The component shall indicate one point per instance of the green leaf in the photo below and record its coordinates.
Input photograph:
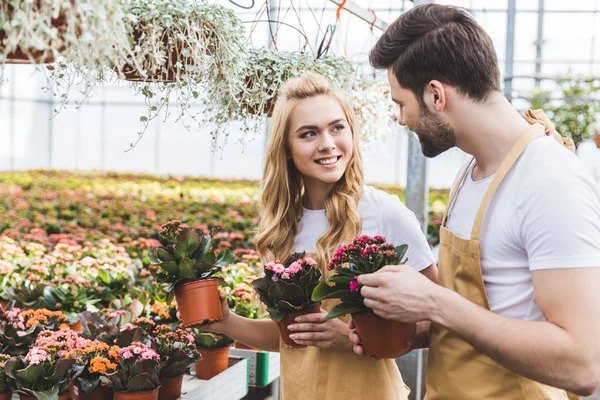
(169, 266)
(226, 257)
(346, 272)
(30, 374)
(104, 275)
(344, 309)
(164, 255)
(61, 369)
(401, 250)
(87, 385)
(51, 394)
(187, 242)
(143, 118)
(210, 257)
(186, 268)
(153, 257)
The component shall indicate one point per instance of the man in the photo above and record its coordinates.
(517, 311)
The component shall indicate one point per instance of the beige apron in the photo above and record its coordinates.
(315, 374)
(456, 370)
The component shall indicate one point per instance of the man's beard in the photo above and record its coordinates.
(435, 134)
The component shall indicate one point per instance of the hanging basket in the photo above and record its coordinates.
(25, 56)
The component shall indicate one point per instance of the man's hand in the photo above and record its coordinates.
(399, 293)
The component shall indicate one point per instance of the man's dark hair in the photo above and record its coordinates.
(438, 42)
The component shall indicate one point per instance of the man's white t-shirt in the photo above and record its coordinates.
(382, 214)
(544, 215)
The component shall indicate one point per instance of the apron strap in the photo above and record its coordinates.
(454, 192)
(540, 117)
(534, 132)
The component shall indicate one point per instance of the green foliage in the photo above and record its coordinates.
(576, 114)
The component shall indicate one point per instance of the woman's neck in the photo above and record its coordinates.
(315, 194)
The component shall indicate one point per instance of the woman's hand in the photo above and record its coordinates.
(315, 330)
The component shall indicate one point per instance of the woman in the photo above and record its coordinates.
(314, 199)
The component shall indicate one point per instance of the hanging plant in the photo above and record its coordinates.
(264, 73)
(32, 32)
(180, 47)
(375, 111)
(82, 38)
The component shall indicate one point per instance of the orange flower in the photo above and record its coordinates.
(101, 365)
(161, 310)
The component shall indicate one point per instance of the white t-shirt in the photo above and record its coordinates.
(544, 215)
(382, 214)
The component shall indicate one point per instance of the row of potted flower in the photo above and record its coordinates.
(46, 358)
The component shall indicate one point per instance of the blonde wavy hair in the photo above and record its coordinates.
(283, 187)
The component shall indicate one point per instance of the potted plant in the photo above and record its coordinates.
(138, 330)
(183, 45)
(380, 337)
(5, 391)
(136, 374)
(71, 295)
(286, 290)
(15, 338)
(187, 265)
(46, 371)
(214, 352)
(96, 327)
(96, 359)
(26, 288)
(177, 351)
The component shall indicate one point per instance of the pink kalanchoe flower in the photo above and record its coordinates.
(354, 286)
(310, 261)
(278, 268)
(127, 327)
(285, 275)
(127, 355)
(36, 356)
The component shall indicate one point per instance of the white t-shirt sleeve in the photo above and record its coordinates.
(559, 219)
(400, 226)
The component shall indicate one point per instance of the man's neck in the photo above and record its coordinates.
(487, 131)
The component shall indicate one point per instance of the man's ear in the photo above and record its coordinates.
(435, 95)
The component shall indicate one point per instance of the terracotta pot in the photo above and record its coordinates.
(77, 327)
(35, 57)
(289, 318)
(242, 346)
(214, 361)
(383, 338)
(4, 304)
(72, 392)
(100, 393)
(148, 395)
(597, 140)
(63, 396)
(198, 302)
(6, 395)
(170, 388)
